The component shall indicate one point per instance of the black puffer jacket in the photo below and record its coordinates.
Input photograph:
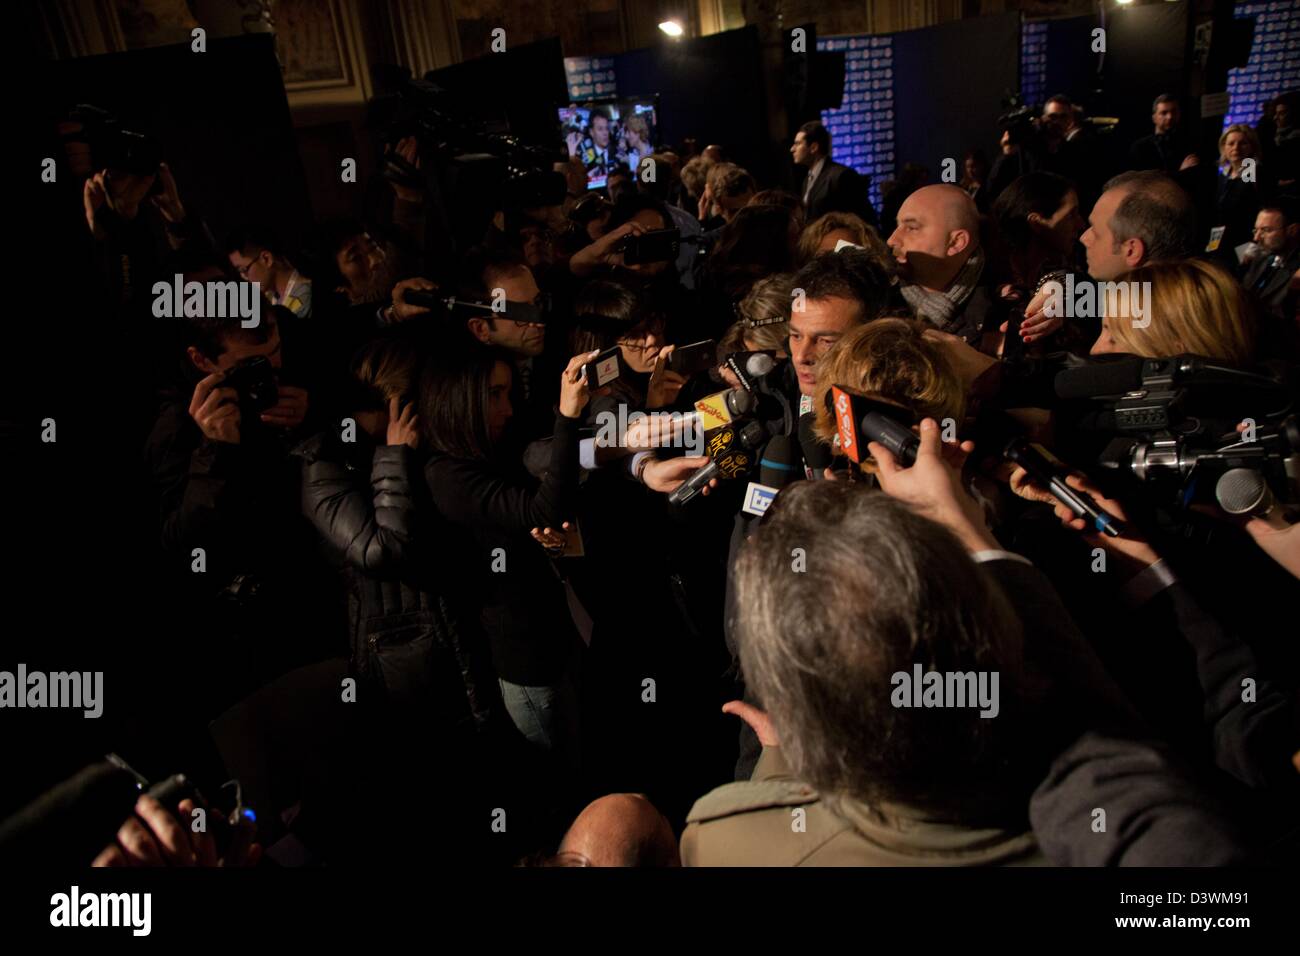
(410, 641)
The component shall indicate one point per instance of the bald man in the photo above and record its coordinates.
(940, 263)
(621, 829)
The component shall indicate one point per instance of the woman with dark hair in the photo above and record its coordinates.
(758, 242)
(1036, 222)
(427, 695)
(494, 505)
(608, 313)
(409, 644)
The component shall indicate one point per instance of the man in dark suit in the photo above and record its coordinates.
(1271, 279)
(828, 186)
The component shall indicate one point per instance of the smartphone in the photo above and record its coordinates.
(604, 368)
(696, 357)
(659, 245)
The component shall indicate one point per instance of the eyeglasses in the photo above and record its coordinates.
(639, 347)
(243, 270)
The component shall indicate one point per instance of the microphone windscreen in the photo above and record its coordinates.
(1099, 378)
(756, 366)
(1243, 491)
(777, 467)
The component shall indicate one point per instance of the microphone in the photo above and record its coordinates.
(722, 408)
(731, 453)
(750, 366)
(1243, 491)
(859, 420)
(817, 455)
(1050, 477)
(777, 468)
(67, 825)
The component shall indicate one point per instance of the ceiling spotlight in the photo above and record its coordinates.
(671, 27)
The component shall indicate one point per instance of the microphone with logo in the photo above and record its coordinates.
(860, 420)
(731, 454)
(777, 468)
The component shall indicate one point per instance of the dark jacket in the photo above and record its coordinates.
(839, 189)
(410, 641)
(494, 506)
(1269, 283)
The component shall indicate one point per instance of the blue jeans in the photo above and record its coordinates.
(546, 715)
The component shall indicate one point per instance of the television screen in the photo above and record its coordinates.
(609, 134)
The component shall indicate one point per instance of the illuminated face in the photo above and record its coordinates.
(802, 150)
(1165, 117)
(237, 350)
(254, 267)
(641, 352)
(1236, 148)
(600, 131)
(1270, 230)
(359, 260)
(814, 331)
(522, 338)
(1107, 259)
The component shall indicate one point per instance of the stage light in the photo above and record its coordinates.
(671, 27)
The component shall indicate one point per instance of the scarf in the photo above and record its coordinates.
(941, 308)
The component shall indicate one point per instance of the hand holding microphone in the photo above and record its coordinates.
(932, 485)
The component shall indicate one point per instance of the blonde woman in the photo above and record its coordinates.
(823, 233)
(891, 360)
(1237, 198)
(1192, 306)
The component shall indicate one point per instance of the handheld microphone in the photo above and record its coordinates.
(817, 455)
(1050, 477)
(859, 420)
(722, 408)
(731, 453)
(748, 367)
(777, 468)
(1243, 491)
(68, 824)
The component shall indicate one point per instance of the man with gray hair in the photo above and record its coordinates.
(849, 601)
(1140, 217)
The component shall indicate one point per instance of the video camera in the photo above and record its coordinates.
(524, 173)
(1020, 119)
(1174, 421)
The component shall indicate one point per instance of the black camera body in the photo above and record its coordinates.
(113, 147)
(658, 245)
(1174, 423)
(254, 381)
